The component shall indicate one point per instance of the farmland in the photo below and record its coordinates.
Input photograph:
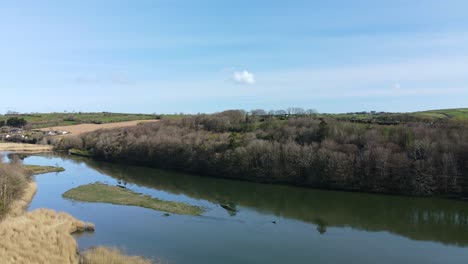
(456, 114)
(84, 128)
(42, 120)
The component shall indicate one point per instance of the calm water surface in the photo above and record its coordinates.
(270, 224)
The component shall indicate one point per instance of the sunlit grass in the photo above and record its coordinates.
(102, 193)
(35, 169)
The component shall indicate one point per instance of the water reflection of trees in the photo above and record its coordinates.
(321, 225)
(439, 220)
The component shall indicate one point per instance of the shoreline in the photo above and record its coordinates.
(46, 236)
(24, 148)
(39, 236)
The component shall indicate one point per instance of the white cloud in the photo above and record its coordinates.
(243, 77)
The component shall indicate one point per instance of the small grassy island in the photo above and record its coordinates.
(36, 169)
(103, 193)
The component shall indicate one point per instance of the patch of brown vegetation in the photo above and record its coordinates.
(84, 128)
(13, 181)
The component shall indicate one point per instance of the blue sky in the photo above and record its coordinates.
(205, 56)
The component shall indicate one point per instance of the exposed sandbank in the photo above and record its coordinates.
(24, 148)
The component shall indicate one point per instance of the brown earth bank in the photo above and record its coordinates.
(84, 128)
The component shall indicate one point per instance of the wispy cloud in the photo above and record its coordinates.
(243, 77)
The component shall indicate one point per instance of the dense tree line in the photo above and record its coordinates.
(414, 158)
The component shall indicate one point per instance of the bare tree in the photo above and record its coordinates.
(295, 111)
(258, 112)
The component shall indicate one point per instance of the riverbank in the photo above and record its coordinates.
(45, 236)
(24, 148)
(40, 236)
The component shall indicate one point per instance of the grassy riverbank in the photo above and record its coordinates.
(40, 236)
(102, 193)
(15, 182)
(43, 235)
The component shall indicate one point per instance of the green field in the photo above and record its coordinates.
(457, 114)
(452, 114)
(40, 120)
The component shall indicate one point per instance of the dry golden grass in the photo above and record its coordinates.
(20, 147)
(103, 255)
(44, 236)
(18, 207)
(40, 236)
(84, 128)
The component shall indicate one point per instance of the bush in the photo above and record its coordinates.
(70, 118)
(16, 122)
(12, 183)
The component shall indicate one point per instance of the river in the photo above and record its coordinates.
(256, 223)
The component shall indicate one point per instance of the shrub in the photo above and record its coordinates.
(12, 183)
(16, 122)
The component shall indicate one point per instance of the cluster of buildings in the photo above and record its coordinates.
(8, 133)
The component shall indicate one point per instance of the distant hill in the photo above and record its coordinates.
(452, 114)
(456, 114)
(40, 120)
